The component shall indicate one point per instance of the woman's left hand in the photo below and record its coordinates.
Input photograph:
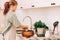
(22, 27)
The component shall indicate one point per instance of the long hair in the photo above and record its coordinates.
(6, 8)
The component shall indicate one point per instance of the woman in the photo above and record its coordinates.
(11, 21)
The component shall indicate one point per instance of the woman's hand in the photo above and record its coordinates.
(23, 27)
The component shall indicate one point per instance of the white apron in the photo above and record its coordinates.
(10, 34)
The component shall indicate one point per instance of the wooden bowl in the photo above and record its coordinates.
(28, 33)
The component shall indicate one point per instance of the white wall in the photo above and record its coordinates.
(47, 15)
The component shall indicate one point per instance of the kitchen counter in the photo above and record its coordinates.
(40, 38)
(20, 37)
(52, 37)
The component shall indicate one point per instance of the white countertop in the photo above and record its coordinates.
(38, 38)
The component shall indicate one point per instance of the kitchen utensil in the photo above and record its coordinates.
(28, 33)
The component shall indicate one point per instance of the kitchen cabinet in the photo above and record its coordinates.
(34, 3)
(26, 4)
(57, 2)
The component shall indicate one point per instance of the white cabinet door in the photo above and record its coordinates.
(35, 3)
(42, 3)
(57, 2)
(24, 3)
(29, 3)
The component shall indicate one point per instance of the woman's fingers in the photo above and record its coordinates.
(24, 27)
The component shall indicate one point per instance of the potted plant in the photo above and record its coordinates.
(40, 28)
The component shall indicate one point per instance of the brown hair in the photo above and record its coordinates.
(7, 6)
(13, 3)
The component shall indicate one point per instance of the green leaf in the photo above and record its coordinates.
(40, 24)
